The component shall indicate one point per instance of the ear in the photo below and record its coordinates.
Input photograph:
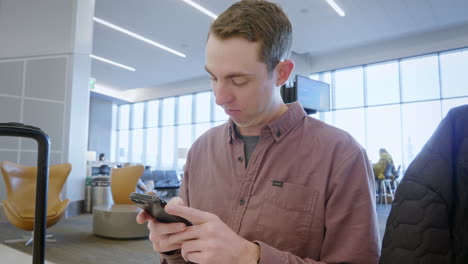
(283, 69)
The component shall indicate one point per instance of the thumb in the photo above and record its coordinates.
(176, 201)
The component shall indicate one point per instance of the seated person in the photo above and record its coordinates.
(141, 187)
(102, 157)
(381, 166)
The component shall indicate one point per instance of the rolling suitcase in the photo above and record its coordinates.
(43, 142)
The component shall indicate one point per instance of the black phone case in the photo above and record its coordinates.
(154, 206)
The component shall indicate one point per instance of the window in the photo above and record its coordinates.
(201, 128)
(326, 77)
(167, 148)
(113, 150)
(113, 146)
(454, 73)
(168, 107)
(420, 78)
(384, 131)
(184, 141)
(203, 104)
(123, 146)
(137, 145)
(219, 114)
(419, 123)
(151, 152)
(124, 116)
(185, 109)
(115, 109)
(401, 123)
(383, 84)
(352, 121)
(315, 76)
(152, 115)
(349, 89)
(138, 115)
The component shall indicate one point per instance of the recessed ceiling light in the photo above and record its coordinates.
(201, 8)
(336, 7)
(149, 41)
(112, 62)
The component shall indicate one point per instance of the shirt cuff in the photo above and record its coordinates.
(172, 259)
(269, 254)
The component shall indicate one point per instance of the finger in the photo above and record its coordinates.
(142, 217)
(170, 248)
(161, 244)
(197, 257)
(191, 247)
(193, 215)
(177, 201)
(191, 233)
(159, 228)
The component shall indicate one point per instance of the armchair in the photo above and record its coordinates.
(19, 206)
(119, 220)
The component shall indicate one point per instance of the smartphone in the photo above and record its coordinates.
(154, 206)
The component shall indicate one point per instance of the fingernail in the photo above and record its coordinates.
(181, 227)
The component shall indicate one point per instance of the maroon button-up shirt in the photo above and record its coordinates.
(306, 196)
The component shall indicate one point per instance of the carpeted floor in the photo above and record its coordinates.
(77, 244)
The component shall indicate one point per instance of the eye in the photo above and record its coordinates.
(239, 81)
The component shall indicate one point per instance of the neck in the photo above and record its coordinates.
(255, 130)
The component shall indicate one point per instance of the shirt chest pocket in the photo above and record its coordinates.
(286, 215)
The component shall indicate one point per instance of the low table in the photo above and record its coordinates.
(118, 221)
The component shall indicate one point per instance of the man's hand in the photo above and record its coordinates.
(209, 240)
(160, 232)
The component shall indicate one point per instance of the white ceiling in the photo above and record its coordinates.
(317, 30)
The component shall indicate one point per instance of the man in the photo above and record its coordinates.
(272, 185)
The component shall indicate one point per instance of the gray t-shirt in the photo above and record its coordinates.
(249, 145)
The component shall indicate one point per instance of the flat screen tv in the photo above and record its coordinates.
(312, 94)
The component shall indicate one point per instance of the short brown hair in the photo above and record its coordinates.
(257, 20)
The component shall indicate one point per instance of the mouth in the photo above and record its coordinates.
(231, 112)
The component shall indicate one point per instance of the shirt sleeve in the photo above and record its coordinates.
(351, 234)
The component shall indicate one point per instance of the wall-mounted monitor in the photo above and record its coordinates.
(312, 94)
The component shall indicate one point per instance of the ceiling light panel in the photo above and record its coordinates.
(112, 62)
(139, 37)
(201, 9)
(336, 7)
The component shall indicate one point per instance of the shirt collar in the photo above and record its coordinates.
(279, 127)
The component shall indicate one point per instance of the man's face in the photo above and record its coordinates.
(240, 82)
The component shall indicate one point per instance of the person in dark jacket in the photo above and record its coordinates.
(428, 222)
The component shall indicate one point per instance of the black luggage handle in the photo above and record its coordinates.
(43, 142)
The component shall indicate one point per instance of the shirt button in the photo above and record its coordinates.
(240, 159)
(241, 201)
(278, 133)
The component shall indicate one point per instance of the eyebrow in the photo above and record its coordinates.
(231, 75)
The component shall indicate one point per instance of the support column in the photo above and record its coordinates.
(44, 74)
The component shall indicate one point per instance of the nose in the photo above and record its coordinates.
(223, 93)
